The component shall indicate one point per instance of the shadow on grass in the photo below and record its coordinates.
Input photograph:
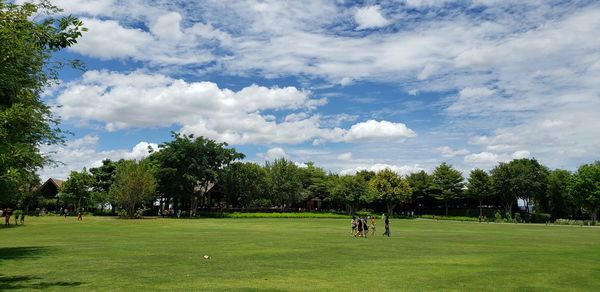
(21, 282)
(22, 252)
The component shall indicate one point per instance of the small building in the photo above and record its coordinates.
(50, 188)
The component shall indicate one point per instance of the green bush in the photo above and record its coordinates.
(518, 218)
(498, 217)
(453, 218)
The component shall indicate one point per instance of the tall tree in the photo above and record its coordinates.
(243, 183)
(479, 187)
(103, 177)
(77, 188)
(285, 182)
(314, 181)
(560, 202)
(134, 184)
(191, 165)
(391, 189)
(27, 46)
(420, 183)
(350, 190)
(447, 183)
(502, 186)
(529, 180)
(585, 188)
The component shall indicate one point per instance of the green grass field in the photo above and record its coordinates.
(295, 254)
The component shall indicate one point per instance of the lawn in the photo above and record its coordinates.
(295, 254)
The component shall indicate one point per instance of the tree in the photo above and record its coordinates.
(560, 202)
(420, 183)
(243, 183)
(479, 187)
(134, 184)
(285, 182)
(585, 188)
(350, 190)
(103, 177)
(190, 165)
(314, 181)
(77, 188)
(447, 183)
(502, 187)
(390, 188)
(26, 123)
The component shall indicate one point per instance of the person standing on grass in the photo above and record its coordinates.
(353, 225)
(365, 226)
(22, 218)
(360, 227)
(16, 218)
(387, 227)
(373, 223)
(79, 216)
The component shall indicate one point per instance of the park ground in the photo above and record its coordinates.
(103, 253)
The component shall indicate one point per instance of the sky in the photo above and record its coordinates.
(349, 85)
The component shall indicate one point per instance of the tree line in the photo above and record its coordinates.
(181, 173)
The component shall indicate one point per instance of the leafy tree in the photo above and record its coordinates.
(314, 181)
(133, 185)
(103, 177)
(190, 165)
(350, 190)
(77, 188)
(502, 186)
(560, 202)
(243, 183)
(585, 188)
(26, 123)
(420, 183)
(366, 175)
(447, 183)
(479, 187)
(285, 182)
(390, 188)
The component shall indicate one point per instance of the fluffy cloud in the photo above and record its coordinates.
(482, 158)
(372, 130)
(345, 156)
(82, 152)
(121, 101)
(275, 153)
(369, 17)
(449, 152)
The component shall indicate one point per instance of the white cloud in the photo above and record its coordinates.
(399, 169)
(167, 27)
(82, 152)
(275, 153)
(370, 17)
(449, 152)
(121, 101)
(521, 154)
(345, 156)
(481, 158)
(372, 129)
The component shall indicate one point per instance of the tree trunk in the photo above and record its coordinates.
(508, 208)
(480, 210)
(594, 215)
(390, 208)
(446, 203)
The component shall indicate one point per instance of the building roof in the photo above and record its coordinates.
(56, 182)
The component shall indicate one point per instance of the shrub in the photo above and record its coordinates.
(498, 217)
(518, 218)
(453, 218)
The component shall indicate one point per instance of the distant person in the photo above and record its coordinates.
(373, 225)
(179, 213)
(7, 217)
(387, 227)
(66, 212)
(22, 218)
(359, 226)
(79, 216)
(353, 225)
(365, 226)
(16, 218)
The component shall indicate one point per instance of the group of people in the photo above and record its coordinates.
(361, 226)
(8, 213)
(169, 213)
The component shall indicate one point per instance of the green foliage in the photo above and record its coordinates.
(76, 189)
(390, 188)
(585, 188)
(420, 183)
(285, 182)
(350, 190)
(187, 166)
(26, 123)
(498, 217)
(315, 182)
(518, 218)
(243, 183)
(447, 183)
(450, 218)
(559, 201)
(134, 184)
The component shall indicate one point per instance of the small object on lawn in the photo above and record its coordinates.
(206, 257)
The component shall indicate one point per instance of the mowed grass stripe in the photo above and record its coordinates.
(103, 253)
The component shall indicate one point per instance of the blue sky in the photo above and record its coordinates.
(349, 85)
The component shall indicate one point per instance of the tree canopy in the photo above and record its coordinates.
(390, 188)
(447, 183)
